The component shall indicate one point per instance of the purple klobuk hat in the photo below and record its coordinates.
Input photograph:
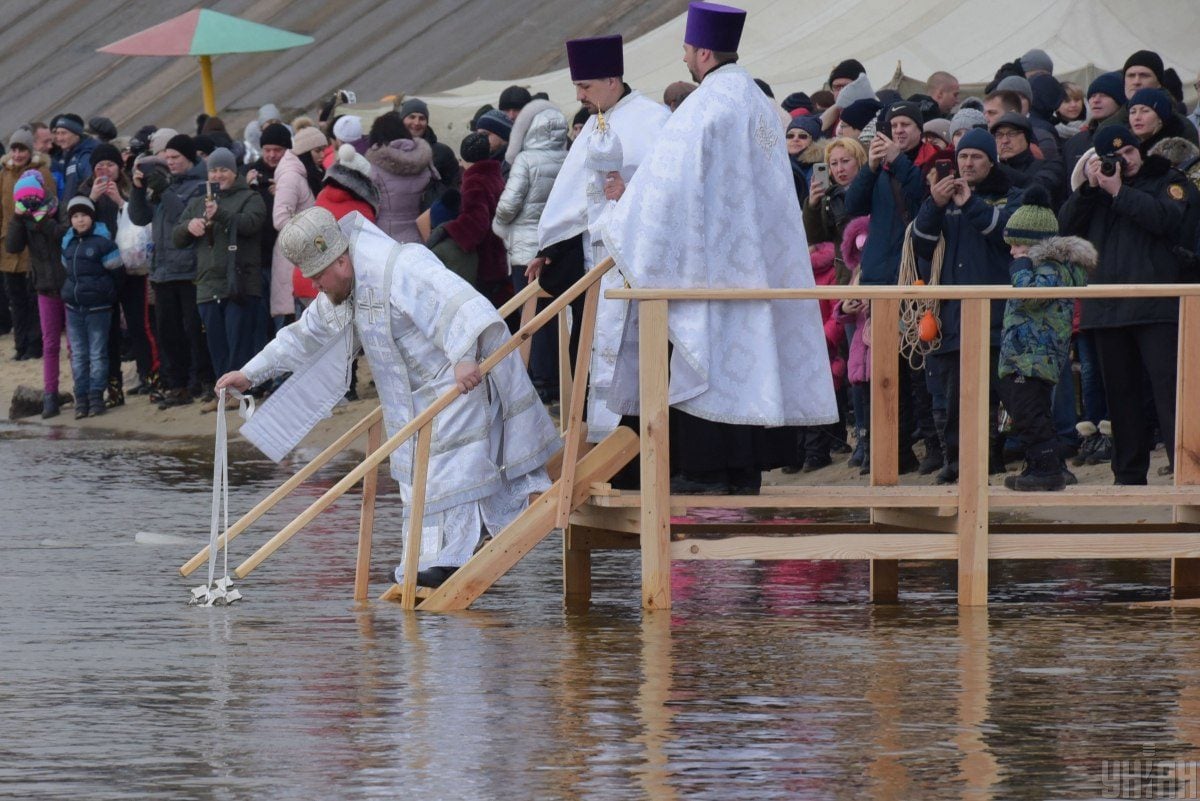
(714, 27)
(596, 57)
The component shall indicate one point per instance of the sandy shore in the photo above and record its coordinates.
(140, 420)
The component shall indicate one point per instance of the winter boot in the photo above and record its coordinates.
(115, 396)
(1089, 437)
(96, 403)
(1043, 470)
(934, 457)
(1102, 452)
(81, 407)
(860, 448)
(49, 405)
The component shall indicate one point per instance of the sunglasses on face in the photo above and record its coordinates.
(797, 135)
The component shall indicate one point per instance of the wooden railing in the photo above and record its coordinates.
(421, 426)
(964, 534)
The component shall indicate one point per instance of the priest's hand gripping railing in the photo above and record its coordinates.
(421, 426)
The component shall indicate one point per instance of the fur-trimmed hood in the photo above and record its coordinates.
(814, 153)
(851, 249)
(354, 182)
(539, 126)
(1065, 249)
(402, 156)
(36, 162)
(1182, 154)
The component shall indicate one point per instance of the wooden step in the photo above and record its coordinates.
(799, 498)
(1095, 495)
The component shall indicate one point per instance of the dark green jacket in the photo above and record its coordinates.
(238, 205)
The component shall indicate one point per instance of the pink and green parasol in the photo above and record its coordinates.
(205, 33)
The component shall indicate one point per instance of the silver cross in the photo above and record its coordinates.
(370, 306)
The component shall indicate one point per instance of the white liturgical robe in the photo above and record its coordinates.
(714, 206)
(415, 320)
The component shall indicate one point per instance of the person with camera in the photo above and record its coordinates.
(224, 225)
(1133, 209)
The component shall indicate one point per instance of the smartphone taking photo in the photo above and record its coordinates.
(820, 175)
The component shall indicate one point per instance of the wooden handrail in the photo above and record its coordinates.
(939, 292)
(373, 460)
(530, 292)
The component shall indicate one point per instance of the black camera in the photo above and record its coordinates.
(1110, 164)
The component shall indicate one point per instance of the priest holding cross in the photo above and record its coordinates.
(423, 330)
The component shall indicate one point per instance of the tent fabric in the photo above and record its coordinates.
(203, 32)
(793, 44)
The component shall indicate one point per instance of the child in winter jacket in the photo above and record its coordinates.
(90, 258)
(855, 315)
(1036, 338)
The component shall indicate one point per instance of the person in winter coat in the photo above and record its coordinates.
(415, 114)
(109, 189)
(159, 197)
(1036, 340)
(34, 229)
(1152, 118)
(224, 228)
(1012, 133)
(76, 152)
(293, 194)
(824, 209)
(89, 256)
(969, 212)
(536, 151)
(471, 230)
(273, 143)
(855, 315)
(402, 168)
(804, 150)
(14, 267)
(1134, 218)
(1105, 98)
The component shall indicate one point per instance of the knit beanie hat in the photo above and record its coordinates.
(276, 134)
(858, 89)
(939, 127)
(1109, 83)
(414, 105)
(861, 112)
(102, 128)
(72, 122)
(809, 124)
(268, 112)
(850, 68)
(1015, 83)
(966, 119)
(1034, 220)
(514, 97)
(159, 138)
(29, 196)
(978, 139)
(496, 122)
(106, 152)
(183, 145)
(81, 203)
(222, 157)
(797, 100)
(1156, 99)
(307, 139)
(351, 171)
(906, 109)
(1148, 59)
(348, 128)
(1111, 138)
(1011, 119)
(1036, 60)
(474, 148)
(22, 137)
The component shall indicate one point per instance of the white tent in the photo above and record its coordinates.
(793, 45)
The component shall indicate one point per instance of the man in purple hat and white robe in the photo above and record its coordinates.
(578, 201)
(714, 206)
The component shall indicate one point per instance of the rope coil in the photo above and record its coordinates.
(920, 323)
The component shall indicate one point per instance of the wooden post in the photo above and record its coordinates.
(655, 465)
(564, 364)
(974, 428)
(1185, 573)
(528, 310)
(575, 413)
(366, 523)
(412, 548)
(885, 429)
(206, 86)
(577, 572)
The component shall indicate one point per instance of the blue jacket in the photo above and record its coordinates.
(872, 193)
(91, 261)
(975, 249)
(164, 212)
(77, 168)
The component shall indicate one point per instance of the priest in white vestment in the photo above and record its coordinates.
(577, 200)
(423, 330)
(713, 205)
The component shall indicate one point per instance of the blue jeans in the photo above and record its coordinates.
(1095, 405)
(1063, 406)
(87, 331)
(229, 327)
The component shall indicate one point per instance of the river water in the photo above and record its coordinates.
(765, 681)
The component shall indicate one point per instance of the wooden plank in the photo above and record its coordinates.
(885, 429)
(528, 310)
(945, 292)
(655, 456)
(416, 518)
(1185, 573)
(585, 538)
(1094, 495)
(394, 593)
(286, 488)
(974, 425)
(577, 571)
(1182, 603)
(366, 523)
(627, 519)
(412, 426)
(919, 519)
(531, 527)
(1166, 545)
(801, 498)
(575, 410)
(821, 546)
(564, 365)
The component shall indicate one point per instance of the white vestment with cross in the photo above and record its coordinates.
(415, 320)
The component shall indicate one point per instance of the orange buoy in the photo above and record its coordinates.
(919, 282)
(928, 329)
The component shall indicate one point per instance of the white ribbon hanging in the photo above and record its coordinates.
(220, 592)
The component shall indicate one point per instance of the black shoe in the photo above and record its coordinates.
(908, 462)
(816, 461)
(434, 577)
(115, 395)
(1036, 482)
(49, 406)
(996, 465)
(933, 461)
(20, 356)
(682, 485)
(948, 474)
(351, 395)
(791, 469)
(175, 397)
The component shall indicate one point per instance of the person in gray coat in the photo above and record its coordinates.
(536, 151)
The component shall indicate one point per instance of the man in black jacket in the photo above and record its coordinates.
(1012, 133)
(1134, 217)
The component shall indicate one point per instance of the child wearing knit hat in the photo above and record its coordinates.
(1036, 338)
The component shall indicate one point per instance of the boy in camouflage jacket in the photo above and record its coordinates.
(1037, 334)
